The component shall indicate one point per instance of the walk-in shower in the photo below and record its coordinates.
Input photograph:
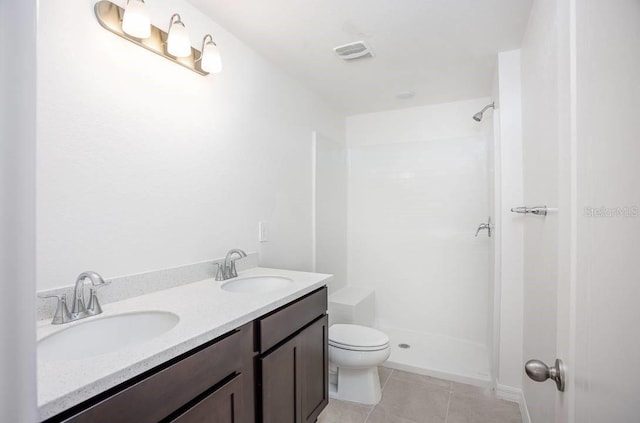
(397, 209)
(478, 116)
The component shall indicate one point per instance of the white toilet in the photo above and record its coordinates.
(355, 349)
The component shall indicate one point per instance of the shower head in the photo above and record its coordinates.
(478, 116)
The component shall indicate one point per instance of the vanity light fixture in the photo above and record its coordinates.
(178, 43)
(136, 21)
(210, 58)
(133, 23)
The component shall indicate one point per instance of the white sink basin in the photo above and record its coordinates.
(256, 284)
(101, 335)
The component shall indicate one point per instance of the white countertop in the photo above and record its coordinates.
(206, 312)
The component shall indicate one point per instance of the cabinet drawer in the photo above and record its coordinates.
(223, 405)
(160, 394)
(284, 322)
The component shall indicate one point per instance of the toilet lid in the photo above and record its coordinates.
(355, 336)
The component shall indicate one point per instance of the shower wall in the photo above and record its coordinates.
(330, 209)
(418, 186)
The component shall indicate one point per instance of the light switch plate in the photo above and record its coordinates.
(263, 232)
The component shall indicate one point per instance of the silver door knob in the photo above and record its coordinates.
(539, 371)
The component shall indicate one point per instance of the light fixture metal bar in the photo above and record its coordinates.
(110, 17)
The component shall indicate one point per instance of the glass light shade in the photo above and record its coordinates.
(211, 61)
(136, 21)
(178, 44)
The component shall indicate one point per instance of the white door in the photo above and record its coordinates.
(607, 290)
(581, 102)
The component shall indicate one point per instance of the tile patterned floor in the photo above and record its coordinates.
(411, 398)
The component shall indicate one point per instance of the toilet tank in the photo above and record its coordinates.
(354, 305)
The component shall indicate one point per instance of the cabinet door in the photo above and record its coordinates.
(294, 377)
(313, 369)
(280, 384)
(224, 405)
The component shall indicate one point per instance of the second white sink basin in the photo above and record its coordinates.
(256, 284)
(102, 335)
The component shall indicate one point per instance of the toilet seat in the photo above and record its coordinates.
(360, 349)
(357, 338)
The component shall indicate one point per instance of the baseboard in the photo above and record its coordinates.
(509, 393)
(469, 380)
(524, 411)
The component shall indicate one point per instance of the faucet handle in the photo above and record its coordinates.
(232, 269)
(97, 282)
(219, 271)
(62, 314)
(94, 305)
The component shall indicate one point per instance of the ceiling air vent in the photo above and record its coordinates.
(352, 51)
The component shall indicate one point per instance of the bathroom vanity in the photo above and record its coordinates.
(272, 368)
(293, 370)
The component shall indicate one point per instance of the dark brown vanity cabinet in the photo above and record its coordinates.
(273, 369)
(211, 383)
(221, 406)
(293, 385)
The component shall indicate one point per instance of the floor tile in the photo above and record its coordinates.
(413, 400)
(477, 405)
(344, 412)
(462, 388)
(381, 416)
(383, 374)
(402, 376)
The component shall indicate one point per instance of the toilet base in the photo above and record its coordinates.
(356, 385)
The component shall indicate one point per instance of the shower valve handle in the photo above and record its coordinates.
(486, 226)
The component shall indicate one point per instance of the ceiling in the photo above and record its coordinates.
(441, 50)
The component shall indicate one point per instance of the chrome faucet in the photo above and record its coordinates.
(227, 270)
(79, 309)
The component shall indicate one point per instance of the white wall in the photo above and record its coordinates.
(17, 210)
(510, 231)
(495, 245)
(143, 164)
(436, 122)
(542, 119)
(417, 192)
(330, 219)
